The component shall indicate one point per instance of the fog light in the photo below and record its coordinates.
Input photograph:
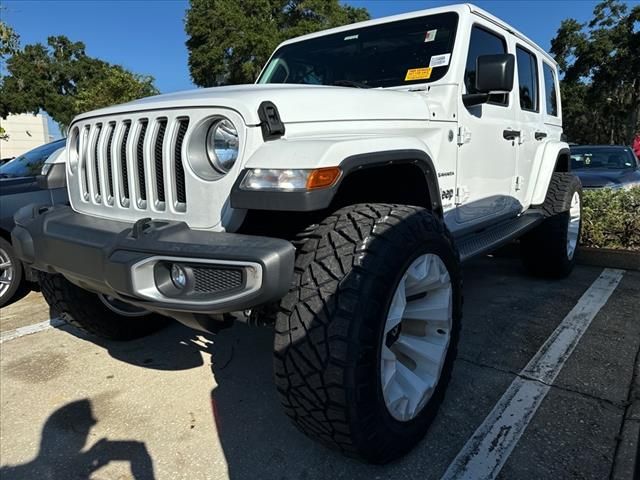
(178, 276)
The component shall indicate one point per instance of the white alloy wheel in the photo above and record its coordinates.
(416, 337)
(7, 272)
(122, 308)
(573, 228)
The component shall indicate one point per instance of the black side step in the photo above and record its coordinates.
(477, 243)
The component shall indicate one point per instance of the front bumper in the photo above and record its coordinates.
(225, 272)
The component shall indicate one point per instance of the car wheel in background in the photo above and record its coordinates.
(11, 273)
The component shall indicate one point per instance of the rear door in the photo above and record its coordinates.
(486, 160)
(533, 133)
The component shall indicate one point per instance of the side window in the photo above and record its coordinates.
(483, 42)
(551, 95)
(527, 79)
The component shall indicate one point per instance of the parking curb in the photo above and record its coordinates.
(606, 257)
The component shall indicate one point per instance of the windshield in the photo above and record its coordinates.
(602, 159)
(30, 164)
(405, 52)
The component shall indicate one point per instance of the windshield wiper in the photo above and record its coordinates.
(350, 83)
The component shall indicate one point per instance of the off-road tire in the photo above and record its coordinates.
(544, 249)
(84, 310)
(18, 274)
(330, 326)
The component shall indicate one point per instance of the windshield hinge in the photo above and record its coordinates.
(272, 126)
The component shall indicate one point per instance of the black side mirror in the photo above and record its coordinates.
(494, 74)
(53, 177)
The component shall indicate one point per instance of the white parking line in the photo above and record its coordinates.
(29, 329)
(486, 452)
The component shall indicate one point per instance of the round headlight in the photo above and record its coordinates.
(222, 145)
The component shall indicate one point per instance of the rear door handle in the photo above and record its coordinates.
(540, 135)
(510, 134)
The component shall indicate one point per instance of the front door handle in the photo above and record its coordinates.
(510, 134)
(540, 135)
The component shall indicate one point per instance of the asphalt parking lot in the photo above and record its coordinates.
(180, 405)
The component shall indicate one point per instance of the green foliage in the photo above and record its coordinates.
(600, 61)
(61, 79)
(230, 41)
(9, 41)
(117, 85)
(611, 218)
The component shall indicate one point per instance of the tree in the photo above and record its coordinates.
(61, 79)
(600, 62)
(117, 85)
(230, 41)
(9, 41)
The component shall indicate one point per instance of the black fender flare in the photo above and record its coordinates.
(321, 199)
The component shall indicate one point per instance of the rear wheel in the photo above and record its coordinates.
(11, 273)
(99, 315)
(550, 249)
(366, 338)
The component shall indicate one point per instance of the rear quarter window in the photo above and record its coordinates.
(550, 90)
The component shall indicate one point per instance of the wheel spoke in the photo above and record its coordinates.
(436, 307)
(419, 350)
(5, 281)
(5, 265)
(398, 305)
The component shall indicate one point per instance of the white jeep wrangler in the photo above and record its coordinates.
(336, 199)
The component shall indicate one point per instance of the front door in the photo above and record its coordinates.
(486, 159)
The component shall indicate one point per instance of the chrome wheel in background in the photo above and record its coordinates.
(7, 272)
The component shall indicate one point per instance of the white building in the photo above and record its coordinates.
(25, 132)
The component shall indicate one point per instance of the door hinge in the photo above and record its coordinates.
(462, 195)
(519, 183)
(464, 136)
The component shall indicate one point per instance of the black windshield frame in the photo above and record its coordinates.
(374, 56)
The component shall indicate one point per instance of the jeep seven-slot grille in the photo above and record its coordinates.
(124, 164)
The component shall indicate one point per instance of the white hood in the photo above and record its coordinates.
(296, 103)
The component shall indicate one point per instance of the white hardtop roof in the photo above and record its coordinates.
(461, 9)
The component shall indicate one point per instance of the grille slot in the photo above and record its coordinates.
(159, 158)
(96, 162)
(112, 129)
(142, 181)
(123, 161)
(181, 194)
(216, 280)
(137, 159)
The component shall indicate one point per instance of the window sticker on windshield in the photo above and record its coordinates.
(418, 74)
(430, 36)
(440, 60)
(351, 37)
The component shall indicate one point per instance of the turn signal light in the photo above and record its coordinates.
(323, 177)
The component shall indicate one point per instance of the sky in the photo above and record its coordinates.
(147, 36)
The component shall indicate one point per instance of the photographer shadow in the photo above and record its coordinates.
(62, 454)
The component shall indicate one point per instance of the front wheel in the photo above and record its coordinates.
(100, 315)
(550, 249)
(366, 338)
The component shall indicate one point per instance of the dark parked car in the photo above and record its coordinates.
(609, 166)
(25, 180)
